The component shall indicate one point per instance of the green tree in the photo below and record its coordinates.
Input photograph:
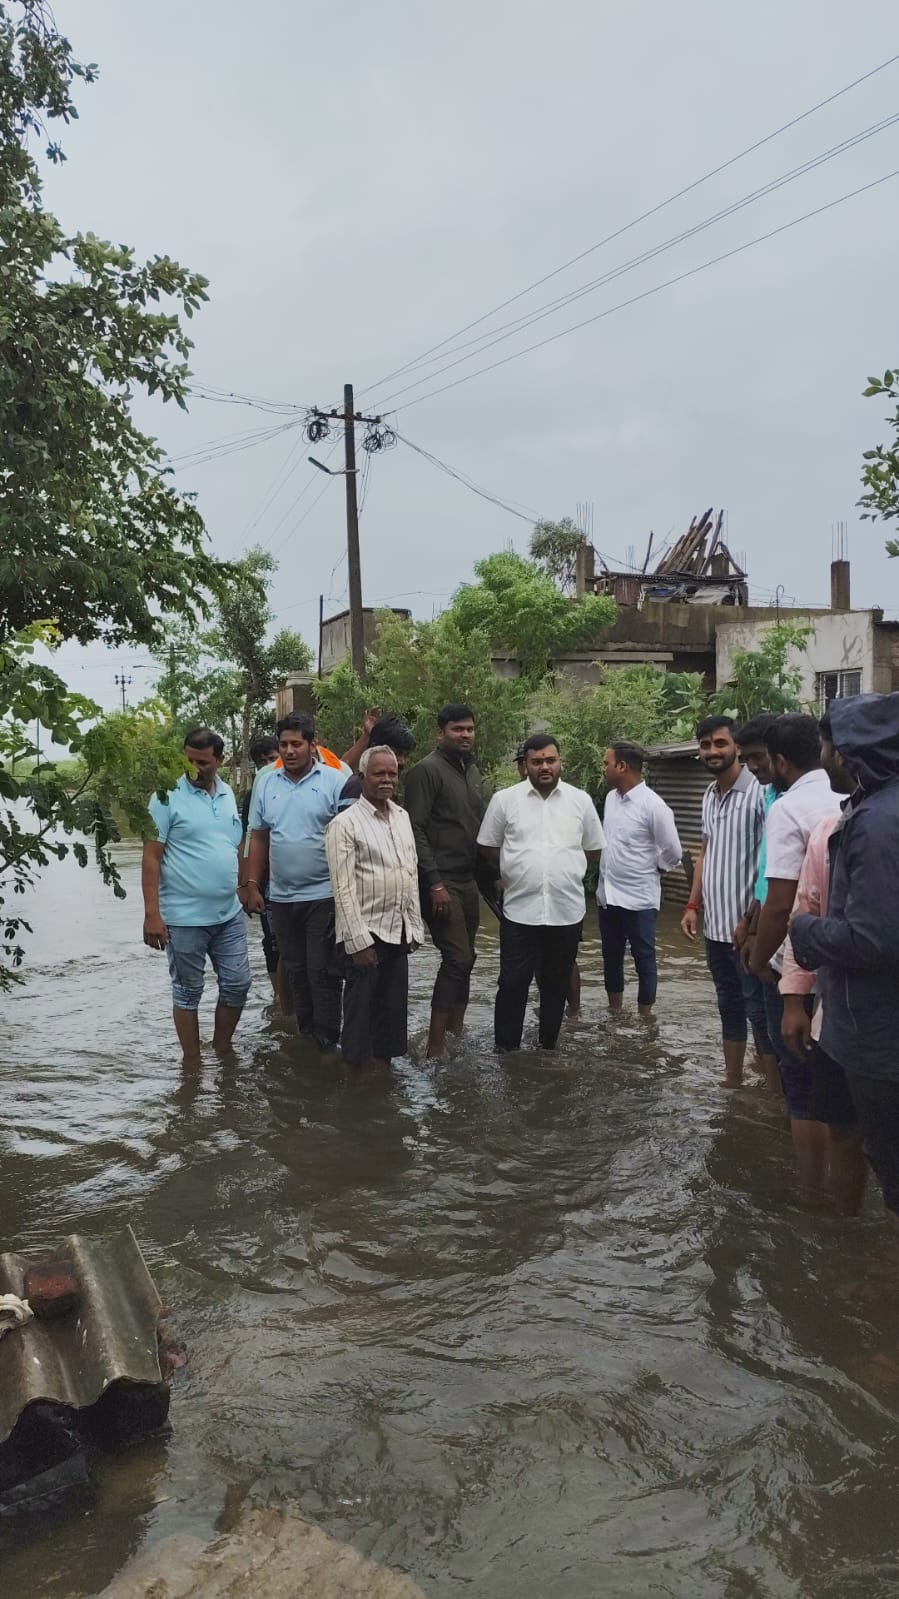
(226, 675)
(880, 474)
(632, 702)
(523, 615)
(50, 809)
(415, 668)
(95, 542)
(92, 533)
(768, 678)
(555, 547)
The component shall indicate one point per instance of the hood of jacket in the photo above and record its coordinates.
(866, 733)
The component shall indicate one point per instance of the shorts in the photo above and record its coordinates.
(830, 1100)
(226, 946)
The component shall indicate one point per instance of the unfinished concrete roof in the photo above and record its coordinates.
(110, 1337)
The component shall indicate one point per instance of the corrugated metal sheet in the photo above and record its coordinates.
(681, 781)
(109, 1338)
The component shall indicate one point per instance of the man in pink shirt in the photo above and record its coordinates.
(831, 1101)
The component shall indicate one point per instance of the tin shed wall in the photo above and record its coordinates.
(681, 782)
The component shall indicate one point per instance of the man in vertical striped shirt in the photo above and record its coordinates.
(374, 876)
(733, 825)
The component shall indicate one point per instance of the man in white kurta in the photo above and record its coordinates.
(542, 832)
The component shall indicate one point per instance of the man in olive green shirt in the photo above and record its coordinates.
(446, 797)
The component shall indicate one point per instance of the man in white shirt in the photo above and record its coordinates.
(806, 797)
(374, 876)
(641, 843)
(542, 832)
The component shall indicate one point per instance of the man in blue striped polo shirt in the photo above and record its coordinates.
(733, 824)
(290, 809)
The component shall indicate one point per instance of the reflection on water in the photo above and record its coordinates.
(550, 1326)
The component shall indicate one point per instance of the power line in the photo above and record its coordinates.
(312, 478)
(460, 477)
(205, 391)
(288, 467)
(657, 288)
(229, 444)
(635, 222)
(487, 341)
(308, 512)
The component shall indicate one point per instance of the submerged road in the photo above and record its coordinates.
(550, 1326)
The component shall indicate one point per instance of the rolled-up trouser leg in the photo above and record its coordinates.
(454, 936)
(231, 961)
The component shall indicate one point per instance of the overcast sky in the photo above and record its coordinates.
(358, 181)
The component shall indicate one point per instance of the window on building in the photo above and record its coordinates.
(837, 686)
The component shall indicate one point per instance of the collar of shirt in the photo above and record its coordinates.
(367, 806)
(189, 787)
(818, 775)
(535, 792)
(743, 781)
(315, 770)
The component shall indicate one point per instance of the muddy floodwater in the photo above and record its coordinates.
(549, 1326)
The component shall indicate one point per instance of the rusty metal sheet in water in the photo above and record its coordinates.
(110, 1337)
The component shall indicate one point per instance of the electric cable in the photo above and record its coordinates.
(229, 444)
(525, 515)
(312, 478)
(657, 288)
(635, 221)
(540, 313)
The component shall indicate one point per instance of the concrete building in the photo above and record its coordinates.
(847, 651)
(335, 639)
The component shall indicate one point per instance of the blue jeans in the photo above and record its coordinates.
(617, 929)
(226, 946)
(739, 995)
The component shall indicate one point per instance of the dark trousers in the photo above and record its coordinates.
(376, 1006)
(305, 934)
(797, 1076)
(739, 995)
(619, 928)
(454, 936)
(876, 1102)
(269, 942)
(521, 950)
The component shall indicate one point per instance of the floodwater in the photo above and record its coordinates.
(550, 1326)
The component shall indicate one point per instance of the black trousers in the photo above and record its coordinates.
(269, 942)
(305, 934)
(521, 950)
(376, 1006)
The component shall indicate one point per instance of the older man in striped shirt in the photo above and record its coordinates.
(374, 875)
(733, 826)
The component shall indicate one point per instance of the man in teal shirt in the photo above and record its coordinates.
(189, 882)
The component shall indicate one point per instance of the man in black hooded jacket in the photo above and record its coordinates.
(855, 947)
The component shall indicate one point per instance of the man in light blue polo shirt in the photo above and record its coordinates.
(189, 882)
(291, 806)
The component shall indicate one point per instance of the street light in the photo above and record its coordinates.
(329, 469)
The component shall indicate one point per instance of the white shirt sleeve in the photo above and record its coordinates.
(493, 826)
(666, 838)
(592, 836)
(785, 843)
